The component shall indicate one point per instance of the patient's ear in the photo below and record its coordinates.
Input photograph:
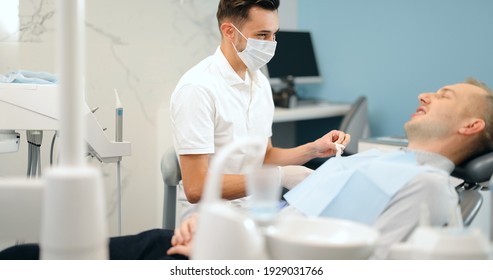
(472, 126)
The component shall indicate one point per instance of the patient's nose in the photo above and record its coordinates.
(424, 98)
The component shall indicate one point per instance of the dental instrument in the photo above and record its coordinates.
(118, 119)
(119, 138)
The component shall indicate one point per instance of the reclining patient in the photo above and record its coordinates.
(449, 127)
(388, 191)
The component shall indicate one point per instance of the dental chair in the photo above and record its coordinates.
(355, 123)
(170, 170)
(476, 173)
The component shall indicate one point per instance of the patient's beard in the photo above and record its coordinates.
(424, 132)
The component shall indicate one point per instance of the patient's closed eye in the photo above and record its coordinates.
(446, 93)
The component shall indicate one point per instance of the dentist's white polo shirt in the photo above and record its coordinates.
(211, 107)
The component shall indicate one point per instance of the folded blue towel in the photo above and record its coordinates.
(29, 77)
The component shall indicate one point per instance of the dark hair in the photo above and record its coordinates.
(237, 10)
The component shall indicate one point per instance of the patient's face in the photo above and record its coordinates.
(440, 114)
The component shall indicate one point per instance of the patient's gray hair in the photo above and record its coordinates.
(487, 140)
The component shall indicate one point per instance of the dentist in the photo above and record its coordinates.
(225, 97)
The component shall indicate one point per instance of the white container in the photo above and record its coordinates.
(303, 238)
(73, 225)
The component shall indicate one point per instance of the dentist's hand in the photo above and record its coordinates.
(325, 146)
(292, 175)
(183, 237)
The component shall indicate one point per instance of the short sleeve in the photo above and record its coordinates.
(192, 119)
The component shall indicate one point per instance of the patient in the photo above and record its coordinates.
(449, 127)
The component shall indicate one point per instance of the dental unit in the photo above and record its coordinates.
(34, 107)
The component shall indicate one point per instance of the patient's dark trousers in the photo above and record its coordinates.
(148, 245)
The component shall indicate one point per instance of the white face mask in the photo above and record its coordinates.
(257, 53)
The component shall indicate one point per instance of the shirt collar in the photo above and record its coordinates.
(433, 159)
(229, 73)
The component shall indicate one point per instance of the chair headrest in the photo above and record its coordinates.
(478, 169)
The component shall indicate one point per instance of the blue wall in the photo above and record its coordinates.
(392, 50)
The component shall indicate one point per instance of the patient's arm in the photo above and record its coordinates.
(182, 239)
(402, 214)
